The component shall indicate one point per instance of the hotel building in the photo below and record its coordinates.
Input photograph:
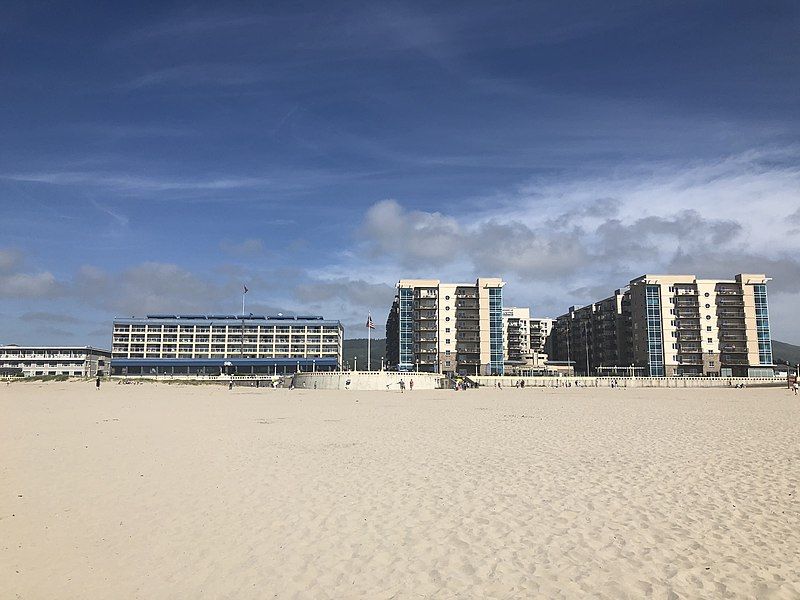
(526, 343)
(673, 325)
(453, 328)
(75, 361)
(230, 344)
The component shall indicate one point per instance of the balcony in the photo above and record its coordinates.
(429, 315)
(686, 302)
(731, 314)
(691, 361)
(730, 360)
(729, 292)
(732, 325)
(467, 338)
(688, 326)
(425, 304)
(687, 314)
(686, 349)
(736, 302)
(731, 349)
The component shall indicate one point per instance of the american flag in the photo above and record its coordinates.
(245, 289)
(370, 324)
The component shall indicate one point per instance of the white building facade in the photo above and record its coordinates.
(230, 344)
(74, 361)
(454, 328)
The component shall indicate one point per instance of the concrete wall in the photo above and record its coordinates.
(366, 380)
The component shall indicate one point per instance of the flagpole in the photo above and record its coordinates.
(369, 346)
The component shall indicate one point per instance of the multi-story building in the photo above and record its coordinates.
(516, 338)
(540, 329)
(682, 325)
(216, 344)
(672, 325)
(452, 328)
(75, 361)
(526, 343)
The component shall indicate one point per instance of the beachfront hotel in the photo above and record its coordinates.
(225, 344)
(672, 325)
(34, 361)
(451, 328)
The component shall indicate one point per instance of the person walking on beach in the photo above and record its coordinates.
(402, 386)
(97, 383)
(411, 385)
(795, 387)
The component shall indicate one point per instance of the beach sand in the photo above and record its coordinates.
(176, 491)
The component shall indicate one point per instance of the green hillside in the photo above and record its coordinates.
(358, 348)
(781, 351)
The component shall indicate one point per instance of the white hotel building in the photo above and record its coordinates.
(231, 344)
(75, 361)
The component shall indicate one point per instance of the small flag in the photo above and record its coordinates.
(370, 324)
(245, 289)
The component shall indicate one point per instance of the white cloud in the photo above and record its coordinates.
(28, 285)
(554, 241)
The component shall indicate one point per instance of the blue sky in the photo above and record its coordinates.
(157, 156)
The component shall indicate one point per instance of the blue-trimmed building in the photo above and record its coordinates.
(450, 328)
(672, 325)
(225, 344)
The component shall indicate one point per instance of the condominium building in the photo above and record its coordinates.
(525, 342)
(673, 325)
(516, 338)
(216, 344)
(594, 336)
(75, 361)
(454, 328)
(539, 332)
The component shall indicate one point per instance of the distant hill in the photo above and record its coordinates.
(358, 348)
(781, 351)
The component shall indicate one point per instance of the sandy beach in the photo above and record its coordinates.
(174, 491)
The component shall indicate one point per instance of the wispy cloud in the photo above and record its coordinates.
(199, 75)
(131, 183)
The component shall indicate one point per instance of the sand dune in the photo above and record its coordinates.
(160, 491)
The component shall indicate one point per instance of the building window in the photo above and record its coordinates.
(706, 294)
(654, 336)
(708, 317)
(447, 330)
(447, 297)
(708, 306)
(762, 324)
(447, 341)
(447, 318)
(708, 327)
(710, 341)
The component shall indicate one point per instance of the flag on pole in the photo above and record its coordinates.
(245, 289)
(370, 324)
